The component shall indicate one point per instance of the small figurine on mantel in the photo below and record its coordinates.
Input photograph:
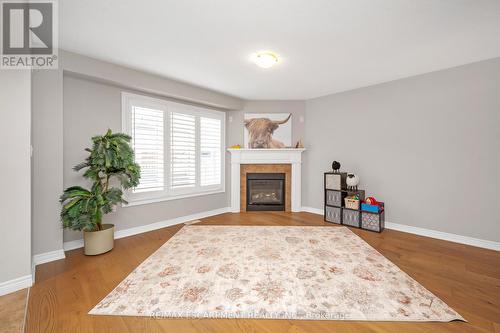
(352, 181)
(299, 144)
(336, 166)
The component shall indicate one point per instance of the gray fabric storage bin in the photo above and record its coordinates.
(334, 198)
(335, 181)
(350, 217)
(333, 214)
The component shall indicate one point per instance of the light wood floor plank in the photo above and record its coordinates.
(12, 311)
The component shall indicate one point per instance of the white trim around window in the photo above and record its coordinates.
(180, 149)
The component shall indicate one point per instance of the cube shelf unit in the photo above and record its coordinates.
(336, 212)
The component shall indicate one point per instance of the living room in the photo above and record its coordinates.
(250, 166)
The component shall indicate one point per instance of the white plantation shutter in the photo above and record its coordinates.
(179, 147)
(182, 150)
(210, 151)
(147, 142)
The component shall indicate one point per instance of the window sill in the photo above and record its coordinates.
(138, 202)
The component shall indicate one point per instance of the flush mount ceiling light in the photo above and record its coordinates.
(265, 59)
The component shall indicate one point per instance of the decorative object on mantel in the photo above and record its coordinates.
(299, 144)
(336, 167)
(268, 130)
(342, 205)
(352, 181)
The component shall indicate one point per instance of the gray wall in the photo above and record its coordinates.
(15, 197)
(427, 145)
(47, 138)
(90, 108)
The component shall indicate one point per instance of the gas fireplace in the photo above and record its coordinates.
(265, 191)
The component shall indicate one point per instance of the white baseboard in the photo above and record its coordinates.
(167, 223)
(487, 244)
(483, 243)
(13, 285)
(43, 258)
(75, 244)
(312, 210)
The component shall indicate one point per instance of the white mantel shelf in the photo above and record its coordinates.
(291, 156)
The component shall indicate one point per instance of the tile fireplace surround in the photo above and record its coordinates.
(290, 156)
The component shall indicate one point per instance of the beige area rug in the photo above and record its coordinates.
(324, 273)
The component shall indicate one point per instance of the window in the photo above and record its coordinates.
(210, 153)
(147, 141)
(182, 150)
(179, 148)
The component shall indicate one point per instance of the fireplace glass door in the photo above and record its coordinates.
(266, 191)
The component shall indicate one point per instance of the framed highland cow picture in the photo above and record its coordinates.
(267, 130)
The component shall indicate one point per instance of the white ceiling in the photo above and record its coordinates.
(326, 46)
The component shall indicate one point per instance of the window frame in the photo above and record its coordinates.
(128, 101)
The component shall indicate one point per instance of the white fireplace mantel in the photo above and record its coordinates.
(292, 156)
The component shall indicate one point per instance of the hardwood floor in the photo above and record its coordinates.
(465, 277)
(12, 311)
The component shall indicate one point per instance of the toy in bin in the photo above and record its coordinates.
(372, 205)
(352, 202)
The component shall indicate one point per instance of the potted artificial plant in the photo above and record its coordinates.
(111, 157)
